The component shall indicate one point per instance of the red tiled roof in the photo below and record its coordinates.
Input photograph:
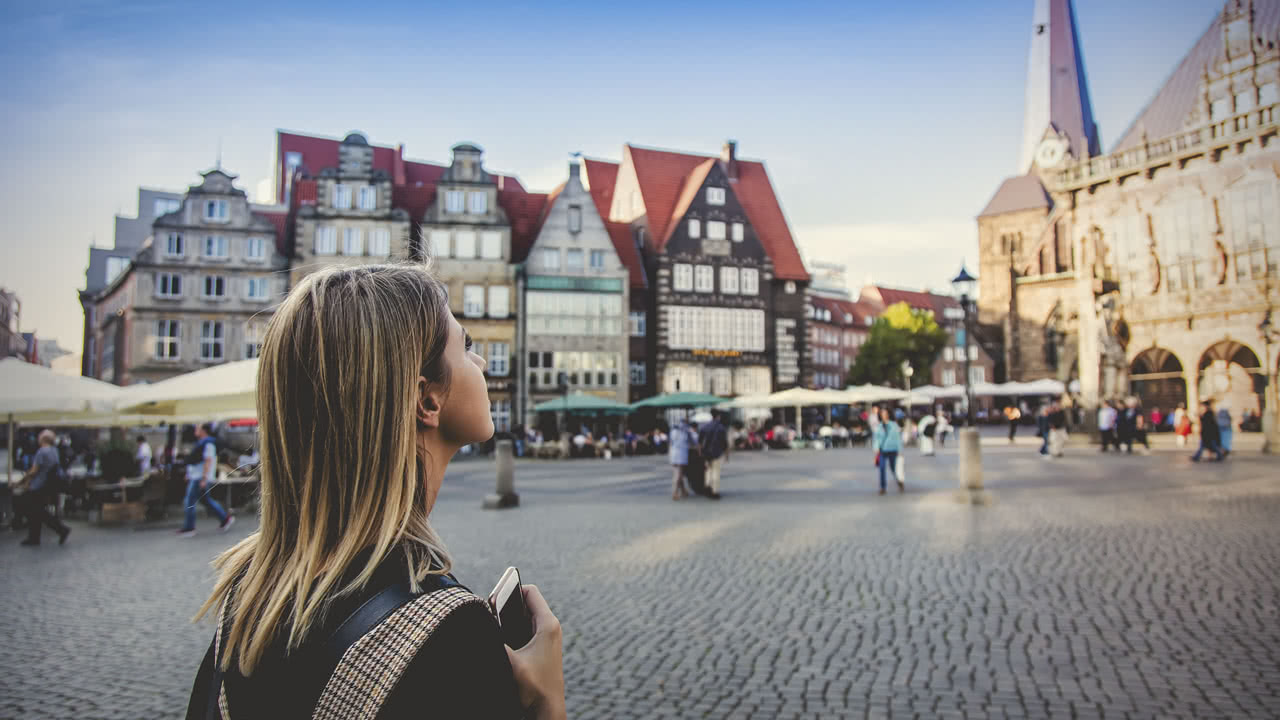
(662, 176)
(280, 220)
(839, 307)
(620, 234)
(415, 199)
(692, 184)
(602, 175)
(525, 212)
(304, 192)
(916, 299)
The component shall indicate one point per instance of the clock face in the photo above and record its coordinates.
(1050, 153)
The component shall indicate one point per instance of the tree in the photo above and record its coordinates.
(900, 333)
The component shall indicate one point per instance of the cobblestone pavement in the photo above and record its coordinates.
(1093, 586)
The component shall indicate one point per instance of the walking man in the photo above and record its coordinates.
(1210, 437)
(1107, 426)
(202, 468)
(713, 440)
(39, 482)
(1013, 415)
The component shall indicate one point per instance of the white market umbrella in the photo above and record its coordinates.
(872, 394)
(220, 392)
(1045, 386)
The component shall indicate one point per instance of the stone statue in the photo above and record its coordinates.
(1114, 380)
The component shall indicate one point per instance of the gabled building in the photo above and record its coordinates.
(838, 326)
(574, 303)
(198, 292)
(724, 284)
(948, 369)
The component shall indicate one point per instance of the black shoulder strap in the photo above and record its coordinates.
(371, 614)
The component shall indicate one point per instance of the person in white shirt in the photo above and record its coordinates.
(143, 456)
(1107, 426)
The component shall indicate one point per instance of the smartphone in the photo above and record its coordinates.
(507, 602)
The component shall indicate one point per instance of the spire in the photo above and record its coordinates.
(1057, 100)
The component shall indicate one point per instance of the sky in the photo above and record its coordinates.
(886, 127)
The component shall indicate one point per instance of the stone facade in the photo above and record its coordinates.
(198, 292)
(574, 304)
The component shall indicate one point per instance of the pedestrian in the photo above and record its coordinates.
(202, 469)
(1224, 431)
(714, 445)
(1210, 437)
(1157, 418)
(1107, 425)
(38, 485)
(1181, 425)
(1127, 424)
(887, 440)
(1012, 414)
(678, 456)
(143, 456)
(944, 427)
(1140, 432)
(1042, 427)
(928, 426)
(354, 449)
(1057, 430)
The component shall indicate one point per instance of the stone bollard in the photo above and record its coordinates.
(971, 467)
(505, 495)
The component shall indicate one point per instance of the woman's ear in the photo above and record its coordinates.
(429, 405)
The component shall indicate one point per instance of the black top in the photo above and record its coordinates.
(461, 670)
(1209, 430)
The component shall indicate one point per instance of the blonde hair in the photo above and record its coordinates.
(47, 437)
(339, 473)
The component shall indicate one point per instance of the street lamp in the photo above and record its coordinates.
(1271, 399)
(964, 284)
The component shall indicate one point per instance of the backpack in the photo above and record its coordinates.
(367, 653)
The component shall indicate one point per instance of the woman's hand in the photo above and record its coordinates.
(538, 666)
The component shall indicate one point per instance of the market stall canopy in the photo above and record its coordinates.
(872, 394)
(746, 401)
(795, 397)
(678, 400)
(582, 403)
(221, 392)
(1044, 386)
(32, 393)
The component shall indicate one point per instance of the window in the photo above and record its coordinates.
(254, 248)
(947, 354)
(750, 281)
(715, 196)
(491, 245)
(1244, 101)
(550, 258)
(575, 219)
(211, 340)
(973, 352)
(1252, 228)
(704, 279)
(440, 243)
(168, 285)
(380, 243)
(721, 381)
(215, 247)
(547, 361)
(215, 286)
(173, 246)
(729, 280)
(751, 381)
(949, 377)
(501, 412)
(715, 230)
(167, 340)
(789, 288)
(478, 203)
(352, 241)
(255, 288)
(342, 196)
(738, 232)
(636, 323)
(254, 330)
(164, 206)
(702, 328)
(1181, 228)
(499, 301)
(573, 260)
(574, 313)
(368, 198)
(326, 240)
(682, 277)
(453, 201)
(695, 228)
(597, 261)
(216, 210)
(977, 374)
(499, 358)
(637, 373)
(464, 245)
(473, 300)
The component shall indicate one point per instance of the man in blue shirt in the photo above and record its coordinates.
(202, 472)
(40, 485)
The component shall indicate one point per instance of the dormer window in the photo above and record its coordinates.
(453, 201)
(368, 198)
(715, 196)
(738, 232)
(715, 229)
(342, 196)
(216, 211)
(478, 203)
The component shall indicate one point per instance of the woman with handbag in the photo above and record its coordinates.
(342, 603)
(887, 441)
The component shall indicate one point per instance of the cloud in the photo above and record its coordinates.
(919, 255)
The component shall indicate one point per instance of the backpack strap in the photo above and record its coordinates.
(371, 666)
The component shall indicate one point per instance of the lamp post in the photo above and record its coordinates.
(964, 284)
(1270, 399)
(907, 372)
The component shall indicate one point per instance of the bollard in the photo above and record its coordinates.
(505, 495)
(971, 468)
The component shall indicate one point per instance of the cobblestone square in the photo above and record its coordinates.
(1093, 586)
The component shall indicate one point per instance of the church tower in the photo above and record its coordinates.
(1058, 115)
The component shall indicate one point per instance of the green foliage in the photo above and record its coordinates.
(901, 333)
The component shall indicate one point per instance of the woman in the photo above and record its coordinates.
(1181, 424)
(887, 441)
(678, 456)
(367, 386)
